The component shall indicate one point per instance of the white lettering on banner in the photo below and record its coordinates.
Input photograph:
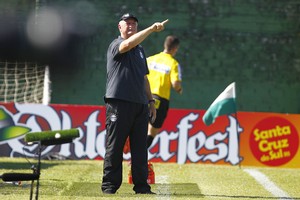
(213, 142)
(188, 147)
(66, 123)
(100, 143)
(164, 149)
(183, 128)
(199, 139)
(90, 149)
(90, 144)
(91, 127)
(34, 110)
(233, 141)
(95, 144)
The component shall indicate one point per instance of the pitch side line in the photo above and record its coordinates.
(268, 184)
(165, 190)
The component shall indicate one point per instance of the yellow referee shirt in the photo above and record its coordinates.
(163, 71)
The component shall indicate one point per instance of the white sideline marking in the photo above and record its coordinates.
(268, 184)
(163, 179)
(164, 190)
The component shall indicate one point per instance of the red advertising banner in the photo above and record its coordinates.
(248, 138)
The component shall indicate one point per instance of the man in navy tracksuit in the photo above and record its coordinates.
(129, 104)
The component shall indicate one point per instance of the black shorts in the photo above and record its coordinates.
(162, 107)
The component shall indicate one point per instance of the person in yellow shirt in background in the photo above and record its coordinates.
(164, 74)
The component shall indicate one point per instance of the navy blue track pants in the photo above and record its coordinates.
(126, 119)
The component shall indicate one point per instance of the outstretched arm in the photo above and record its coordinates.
(140, 36)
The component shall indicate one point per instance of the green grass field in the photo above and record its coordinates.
(80, 179)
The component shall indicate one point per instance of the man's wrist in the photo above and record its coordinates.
(151, 101)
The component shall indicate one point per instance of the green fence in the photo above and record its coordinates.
(252, 42)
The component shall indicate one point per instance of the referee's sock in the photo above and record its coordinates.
(149, 140)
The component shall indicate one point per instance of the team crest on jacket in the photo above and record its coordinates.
(113, 117)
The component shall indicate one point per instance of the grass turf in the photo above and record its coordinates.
(81, 179)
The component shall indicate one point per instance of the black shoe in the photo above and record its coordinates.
(147, 192)
(109, 191)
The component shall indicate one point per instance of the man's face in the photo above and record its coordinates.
(127, 27)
